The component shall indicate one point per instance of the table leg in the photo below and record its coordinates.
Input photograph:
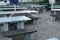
(53, 18)
(55, 13)
(20, 25)
(4, 27)
(44, 9)
(36, 21)
(29, 37)
(8, 38)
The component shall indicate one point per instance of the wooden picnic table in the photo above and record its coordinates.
(20, 31)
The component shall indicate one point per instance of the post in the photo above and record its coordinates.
(4, 27)
(8, 38)
(29, 36)
(20, 25)
(53, 18)
(14, 7)
(44, 9)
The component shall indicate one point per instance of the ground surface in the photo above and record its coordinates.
(46, 29)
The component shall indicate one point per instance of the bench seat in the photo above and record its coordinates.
(35, 18)
(20, 31)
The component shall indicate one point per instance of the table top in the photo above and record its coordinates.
(7, 8)
(17, 12)
(12, 8)
(2, 3)
(55, 9)
(56, 6)
(38, 5)
(13, 19)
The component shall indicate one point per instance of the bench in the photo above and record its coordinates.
(35, 18)
(20, 31)
(28, 34)
(55, 14)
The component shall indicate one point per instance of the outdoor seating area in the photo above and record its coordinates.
(10, 16)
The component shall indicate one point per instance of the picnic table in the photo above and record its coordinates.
(39, 8)
(54, 14)
(19, 20)
(15, 19)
